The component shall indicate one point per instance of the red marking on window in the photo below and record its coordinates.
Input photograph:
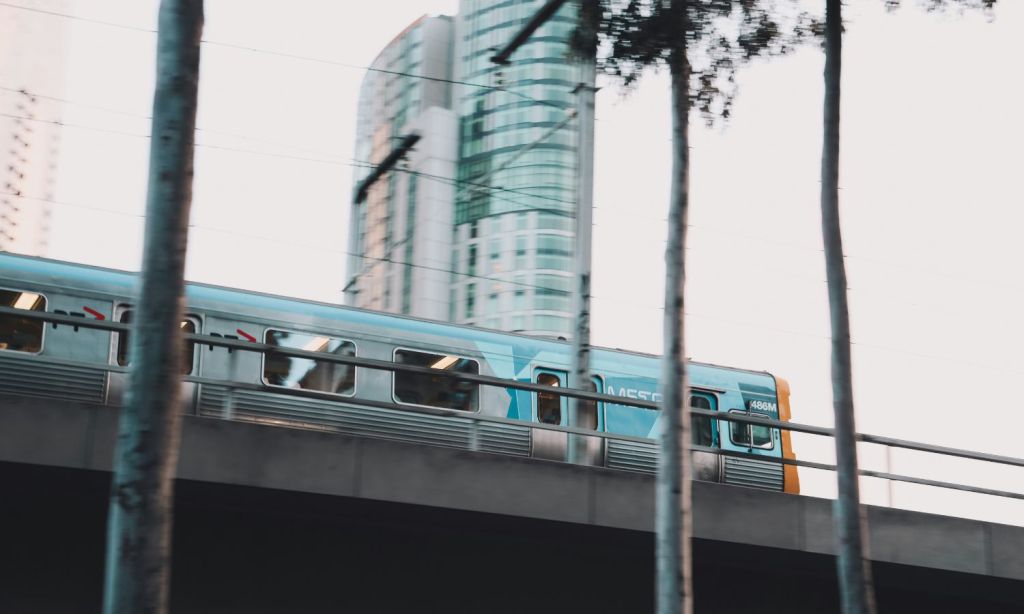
(245, 334)
(94, 313)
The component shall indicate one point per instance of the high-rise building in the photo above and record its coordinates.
(511, 188)
(32, 48)
(514, 232)
(406, 217)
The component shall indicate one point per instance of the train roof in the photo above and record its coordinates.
(60, 272)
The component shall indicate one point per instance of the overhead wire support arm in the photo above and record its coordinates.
(543, 14)
(407, 143)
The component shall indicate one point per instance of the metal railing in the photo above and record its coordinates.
(476, 418)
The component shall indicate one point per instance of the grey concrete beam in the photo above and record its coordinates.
(81, 436)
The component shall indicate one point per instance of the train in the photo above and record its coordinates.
(89, 365)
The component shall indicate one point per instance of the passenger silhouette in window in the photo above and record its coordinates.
(549, 404)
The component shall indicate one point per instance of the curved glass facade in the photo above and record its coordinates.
(488, 199)
(515, 203)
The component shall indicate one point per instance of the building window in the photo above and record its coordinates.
(522, 221)
(553, 324)
(550, 221)
(436, 390)
(21, 334)
(521, 255)
(471, 260)
(470, 300)
(553, 252)
(552, 292)
(309, 373)
(520, 299)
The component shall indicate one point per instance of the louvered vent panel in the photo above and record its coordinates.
(39, 378)
(341, 417)
(504, 438)
(632, 456)
(755, 473)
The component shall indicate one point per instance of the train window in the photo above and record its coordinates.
(549, 404)
(17, 333)
(751, 435)
(188, 352)
(309, 373)
(436, 390)
(700, 426)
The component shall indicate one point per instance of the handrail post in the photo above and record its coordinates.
(229, 396)
(474, 434)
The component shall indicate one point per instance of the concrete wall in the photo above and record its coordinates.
(76, 436)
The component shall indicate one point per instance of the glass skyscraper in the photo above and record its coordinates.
(513, 188)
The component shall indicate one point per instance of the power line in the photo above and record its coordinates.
(55, 122)
(388, 260)
(403, 74)
(294, 56)
(353, 163)
(469, 183)
(461, 182)
(385, 71)
(286, 242)
(112, 24)
(150, 117)
(512, 282)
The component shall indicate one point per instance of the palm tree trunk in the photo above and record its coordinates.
(674, 520)
(139, 525)
(854, 567)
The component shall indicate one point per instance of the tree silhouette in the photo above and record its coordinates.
(702, 43)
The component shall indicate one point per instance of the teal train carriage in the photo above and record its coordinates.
(74, 363)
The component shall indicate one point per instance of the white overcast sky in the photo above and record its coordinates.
(931, 201)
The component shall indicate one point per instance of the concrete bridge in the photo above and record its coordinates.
(272, 519)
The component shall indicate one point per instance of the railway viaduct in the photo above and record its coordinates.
(272, 519)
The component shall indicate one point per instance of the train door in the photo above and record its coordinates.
(118, 383)
(553, 408)
(754, 440)
(704, 433)
(591, 416)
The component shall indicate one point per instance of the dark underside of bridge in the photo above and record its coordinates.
(250, 550)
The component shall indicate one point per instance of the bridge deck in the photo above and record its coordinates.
(80, 436)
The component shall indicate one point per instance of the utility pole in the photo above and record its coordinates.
(137, 578)
(580, 376)
(543, 14)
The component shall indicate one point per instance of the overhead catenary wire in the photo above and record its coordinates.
(143, 116)
(476, 184)
(501, 88)
(506, 89)
(472, 184)
(349, 162)
(512, 282)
